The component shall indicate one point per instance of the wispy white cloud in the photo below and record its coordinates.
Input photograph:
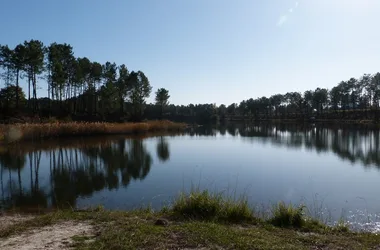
(284, 18)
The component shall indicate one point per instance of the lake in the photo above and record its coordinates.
(333, 170)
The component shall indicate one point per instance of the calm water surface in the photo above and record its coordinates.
(334, 171)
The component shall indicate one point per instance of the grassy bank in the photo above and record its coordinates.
(16, 132)
(200, 220)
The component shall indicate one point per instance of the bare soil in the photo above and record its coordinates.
(58, 236)
(8, 220)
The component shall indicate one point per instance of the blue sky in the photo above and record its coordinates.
(211, 51)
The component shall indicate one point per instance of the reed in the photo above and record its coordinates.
(17, 132)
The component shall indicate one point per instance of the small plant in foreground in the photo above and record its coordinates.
(201, 205)
(313, 225)
(341, 227)
(207, 206)
(287, 216)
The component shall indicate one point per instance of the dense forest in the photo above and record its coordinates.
(83, 90)
(75, 87)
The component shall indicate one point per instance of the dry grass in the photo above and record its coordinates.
(16, 132)
(81, 142)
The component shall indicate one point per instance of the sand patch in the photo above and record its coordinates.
(58, 236)
(9, 220)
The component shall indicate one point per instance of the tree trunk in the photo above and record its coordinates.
(29, 79)
(17, 84)
(35, 92)
(121, 104)
(95, 102)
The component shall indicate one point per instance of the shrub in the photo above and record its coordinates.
(206, 206)
(287, 216)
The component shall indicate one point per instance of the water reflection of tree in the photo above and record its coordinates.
(13, 161)
(132, 162)
(71, 182)
(202, 131)
(163, 149)
(96, 167)
(354, 144)
(18, 196)
(140, 160)
(73, 173)
(79, 172)
(231, 130)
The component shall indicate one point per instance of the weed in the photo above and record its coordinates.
(207, 206)
(287, 215)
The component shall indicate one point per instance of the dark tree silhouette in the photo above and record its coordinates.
(162, 99)
(163, 149)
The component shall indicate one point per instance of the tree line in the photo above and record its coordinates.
(75, 86)
(351, 99)
(353, 94)
(87, 90)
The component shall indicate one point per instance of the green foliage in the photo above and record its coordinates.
(12, 97)
(34, 66)
(162, 99)
(137, 230)
(123, 86)
(77, 85)
(287, 216)
(140, 89)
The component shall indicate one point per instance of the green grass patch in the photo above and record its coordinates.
(137, 230)
(211, 222)
(341, 227)
(287, 216)
(208, 206)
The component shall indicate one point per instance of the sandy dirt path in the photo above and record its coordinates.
(58, 236)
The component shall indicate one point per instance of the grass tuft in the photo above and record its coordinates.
(207, 206)
(314, 225)
(287, 216)
(341, 227)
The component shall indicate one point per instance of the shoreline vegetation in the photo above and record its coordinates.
(195, 220)
(10, 133)
(17, 132)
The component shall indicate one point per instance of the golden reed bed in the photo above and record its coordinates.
(17, 132)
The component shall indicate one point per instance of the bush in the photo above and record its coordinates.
(206, 206)
(287, 216)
